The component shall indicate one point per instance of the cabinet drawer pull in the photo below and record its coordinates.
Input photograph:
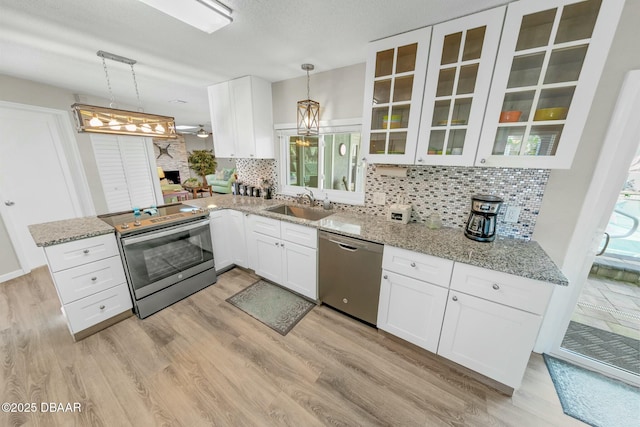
(483, 161)
(385, 276)
(94, 278)
(277, 244)
(455, 298)
(86, 251)
(495, 286)
(282, 245)
(102, 307)
(413, 264)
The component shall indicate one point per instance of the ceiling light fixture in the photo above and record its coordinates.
(202, 133)
(92, 118)
(206, 15)
(308, 111)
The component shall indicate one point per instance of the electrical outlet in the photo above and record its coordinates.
(512, 214)
(379, 198)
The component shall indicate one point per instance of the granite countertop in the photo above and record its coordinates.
(513, 256)
(67, 230)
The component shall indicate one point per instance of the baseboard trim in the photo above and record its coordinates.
(102, 325)
(489, 382)
(12, 275)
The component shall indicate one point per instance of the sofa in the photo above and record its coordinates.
(222, 180)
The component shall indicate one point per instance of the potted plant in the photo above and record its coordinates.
(203, 163)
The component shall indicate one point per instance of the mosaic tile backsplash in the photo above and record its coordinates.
(444, 190)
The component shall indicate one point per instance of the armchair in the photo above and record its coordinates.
(222, 180)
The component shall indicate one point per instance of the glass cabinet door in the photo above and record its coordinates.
(461, 61)
(540, 80)
(395, 79)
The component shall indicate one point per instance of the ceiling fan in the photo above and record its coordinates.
(200, 133)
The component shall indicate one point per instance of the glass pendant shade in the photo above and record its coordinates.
(111, 120)
(308, 117)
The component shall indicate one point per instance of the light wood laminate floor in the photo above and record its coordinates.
(203, 362)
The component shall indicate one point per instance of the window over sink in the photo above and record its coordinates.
(328, 164)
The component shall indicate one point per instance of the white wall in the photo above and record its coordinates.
(340, 93)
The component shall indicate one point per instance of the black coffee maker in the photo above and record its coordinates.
(481, 225)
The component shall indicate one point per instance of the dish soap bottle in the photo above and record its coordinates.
(326, 203)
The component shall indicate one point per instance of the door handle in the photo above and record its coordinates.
(9, 202)
(606, 243)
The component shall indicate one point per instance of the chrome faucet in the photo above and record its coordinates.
(309, 196)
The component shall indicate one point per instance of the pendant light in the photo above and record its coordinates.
(96, 119)
(308, 111)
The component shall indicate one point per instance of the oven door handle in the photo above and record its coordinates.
(153, 235)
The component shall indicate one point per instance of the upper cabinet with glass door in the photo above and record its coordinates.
(551, 55)
(461, 60)
(395, 75)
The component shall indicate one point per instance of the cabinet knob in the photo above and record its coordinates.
(86, 251)
(495, 286)
(385, 276)
(344, 300)
(282, 245)
(94, 278)
(483, 161)
(455, 298)
(413, 264)
(102, 307)
(420, 160)
(277, 244)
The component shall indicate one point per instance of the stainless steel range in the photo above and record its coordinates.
(167, 254)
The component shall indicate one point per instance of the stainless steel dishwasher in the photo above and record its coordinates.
(349, 273)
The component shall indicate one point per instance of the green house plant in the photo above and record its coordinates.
(203, 163)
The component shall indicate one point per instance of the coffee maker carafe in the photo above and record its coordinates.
(481, 225)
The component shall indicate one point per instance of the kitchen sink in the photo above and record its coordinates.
(299, 212)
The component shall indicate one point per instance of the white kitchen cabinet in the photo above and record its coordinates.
(269, 258)
(242, 118)
(284, 253)
(90, 282)
(411, 309)
(394, 82)
(221, 237)
(237, 240)
(461, 61)
(491, 322)
(413, 296)
(550, 59)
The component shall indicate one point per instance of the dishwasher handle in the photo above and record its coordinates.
(343, 246)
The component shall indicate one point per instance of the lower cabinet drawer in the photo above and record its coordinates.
(78, 252)
(98, 307)
(514, 291)
(79, 282)
(300, 234)
(419, 266)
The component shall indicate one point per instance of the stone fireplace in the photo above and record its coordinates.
(171, 156)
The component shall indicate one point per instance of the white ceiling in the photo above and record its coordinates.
(55, 42)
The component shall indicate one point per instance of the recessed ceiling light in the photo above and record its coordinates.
(177, 101)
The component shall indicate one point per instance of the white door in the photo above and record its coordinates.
(411, 309)
(300, 269)
(487, 337)
(620, 144)
(268, 257)
(220, 237)
(35, 182)
(237, 238)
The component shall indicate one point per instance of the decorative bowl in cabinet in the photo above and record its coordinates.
(510, 116)
(557, 113)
